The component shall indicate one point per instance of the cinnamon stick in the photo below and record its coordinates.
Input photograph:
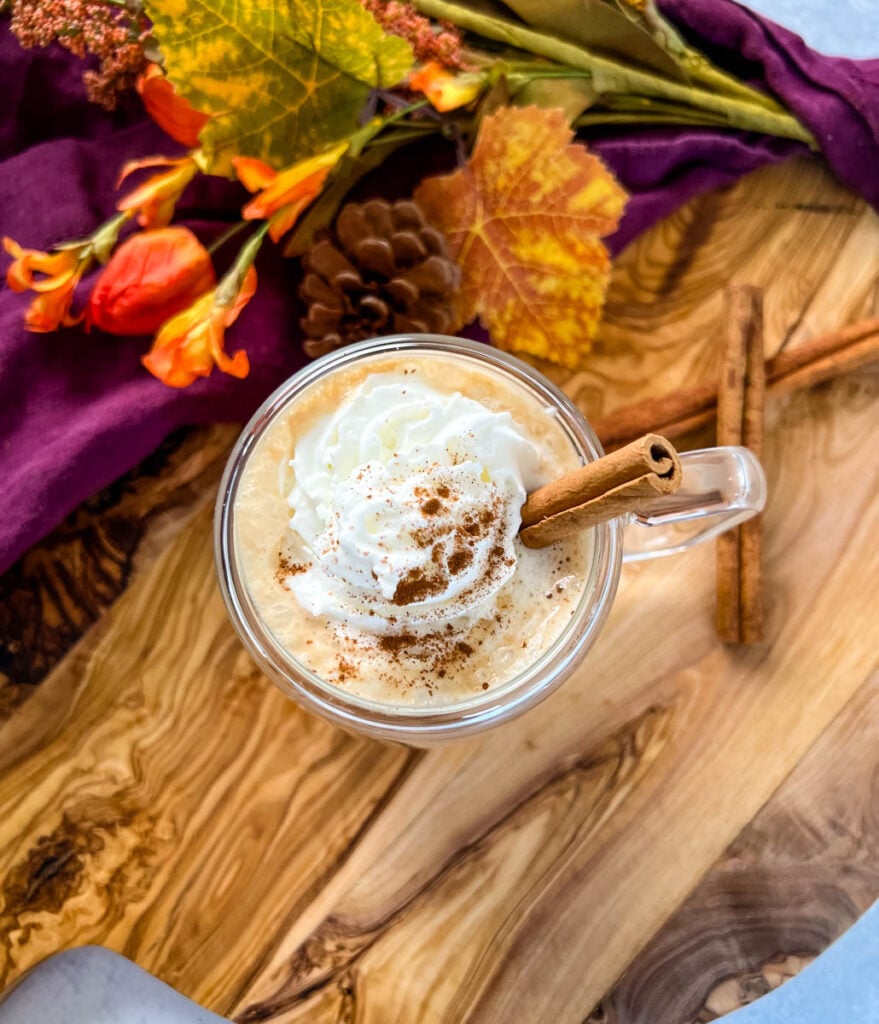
(751, 531)
(825, 357)
(740, 397)
(611, 486)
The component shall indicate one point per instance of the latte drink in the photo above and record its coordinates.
(375, 529)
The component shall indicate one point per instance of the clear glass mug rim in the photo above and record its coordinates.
(482, 710)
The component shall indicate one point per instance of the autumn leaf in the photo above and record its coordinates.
(524, 218)
(282, 80)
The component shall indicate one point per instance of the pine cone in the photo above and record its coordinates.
(383, 270)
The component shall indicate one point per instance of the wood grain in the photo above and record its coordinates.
(791, 231)
(63, 584)
(159, 797)
(804, 869)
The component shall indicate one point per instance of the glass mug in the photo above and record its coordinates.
(721, 487)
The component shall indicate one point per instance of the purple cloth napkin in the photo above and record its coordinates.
(76, 410)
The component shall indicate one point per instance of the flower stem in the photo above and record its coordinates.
(230, 285)
(367, 135)
(610, 76)
(219, 242)
(703, 71)
(251, 247)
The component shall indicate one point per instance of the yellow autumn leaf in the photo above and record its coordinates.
(524, 219)
(282, 81)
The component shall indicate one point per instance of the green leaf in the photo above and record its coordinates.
(740, 106)
(282, 80)
(649, 17)
(601, 26)
(572, 95)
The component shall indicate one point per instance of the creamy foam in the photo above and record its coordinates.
(376, 529)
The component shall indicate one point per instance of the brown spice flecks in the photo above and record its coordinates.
(432, 507)
(437, 651)
(287, 568)
(345, 670)
(397, 642)
(426, 536)
(459, 560)
(415, 586)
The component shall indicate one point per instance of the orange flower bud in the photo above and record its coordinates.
(51, 310)
(156, 198)
(150, 277)
(283, 195)
(445, 91)
(171, 112)
(191, 343)
(58, 267)
(63, 269)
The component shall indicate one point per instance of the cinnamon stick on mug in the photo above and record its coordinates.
(740, 400)
(609, 487)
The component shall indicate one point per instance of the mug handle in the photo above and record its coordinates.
(721, 488)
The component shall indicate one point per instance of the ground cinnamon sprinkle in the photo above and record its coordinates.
(437, 651)
(395, 643)
(287, 568)
(345, 670)
(459, 560)
(415, 586)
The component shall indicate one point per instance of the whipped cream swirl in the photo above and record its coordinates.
(406, 508)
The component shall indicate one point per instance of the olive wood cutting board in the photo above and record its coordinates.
(674, 832)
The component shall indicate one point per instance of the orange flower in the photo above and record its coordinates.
(58, 267)
(151, 276)
(51, 310)
(190, 343)
(445, 91)
(155, 199)
(171, 112)
(62, 269)
(283, 195)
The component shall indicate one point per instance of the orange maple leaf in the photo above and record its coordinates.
(524, 219)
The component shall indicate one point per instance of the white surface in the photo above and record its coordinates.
(838, 28)
(91, 985)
